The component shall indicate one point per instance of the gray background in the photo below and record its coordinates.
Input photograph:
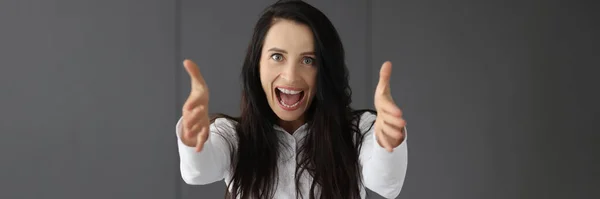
(501, 97)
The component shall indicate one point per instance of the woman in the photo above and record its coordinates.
(297, 136)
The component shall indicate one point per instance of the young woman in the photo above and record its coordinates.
(297, 136)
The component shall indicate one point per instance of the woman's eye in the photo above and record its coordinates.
(277, 57)
(308, 61)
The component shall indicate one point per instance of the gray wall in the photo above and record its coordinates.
(87, 99)
(500, 96)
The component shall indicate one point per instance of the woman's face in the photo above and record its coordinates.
(287, 69)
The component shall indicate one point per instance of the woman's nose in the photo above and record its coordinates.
(290, 73)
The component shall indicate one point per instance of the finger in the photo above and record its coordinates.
(381, 138)
(185, 128)
(388, 106)
(385, 141)
(384, 78)
(194, 101)
(187, 125)
(393, 131)
(195, 115)
(393, 142)
(195, 127)
(396, 122)
(186, 121)
(202, 137)
(192, 133)
(196, 123)
(194, 72)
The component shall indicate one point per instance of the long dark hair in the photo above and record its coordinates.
(330, 151)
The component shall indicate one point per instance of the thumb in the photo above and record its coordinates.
(384, 78)
(194, 72)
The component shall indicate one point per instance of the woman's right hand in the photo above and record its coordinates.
(195, 110)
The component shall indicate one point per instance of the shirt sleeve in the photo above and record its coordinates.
(383, 172)
(210, 164)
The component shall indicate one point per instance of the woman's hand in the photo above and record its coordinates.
(195, 110)
(389, 125)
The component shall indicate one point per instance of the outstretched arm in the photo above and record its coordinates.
(203, 147)
(383, 171)
(210, 164)
(384, 154)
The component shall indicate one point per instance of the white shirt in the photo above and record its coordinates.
(383, 172)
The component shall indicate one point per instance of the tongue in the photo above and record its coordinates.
(290, 99)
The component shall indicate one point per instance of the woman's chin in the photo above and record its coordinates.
(288, 116)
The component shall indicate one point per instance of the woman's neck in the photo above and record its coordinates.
(291, 126)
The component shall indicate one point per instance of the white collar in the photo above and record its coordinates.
(298, 134)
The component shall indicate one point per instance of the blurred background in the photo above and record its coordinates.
(501, 97)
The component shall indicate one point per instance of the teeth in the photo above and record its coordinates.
(289, 106)
(287, 91)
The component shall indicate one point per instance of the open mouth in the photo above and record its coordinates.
(288, 98)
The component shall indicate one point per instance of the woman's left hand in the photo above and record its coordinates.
(389, 125)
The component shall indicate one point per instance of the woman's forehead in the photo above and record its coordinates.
(291, 36)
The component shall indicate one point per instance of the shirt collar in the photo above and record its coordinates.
(298, 134)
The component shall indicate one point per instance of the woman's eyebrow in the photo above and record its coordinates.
(285, 52)
(308, 53)
(278, 50)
